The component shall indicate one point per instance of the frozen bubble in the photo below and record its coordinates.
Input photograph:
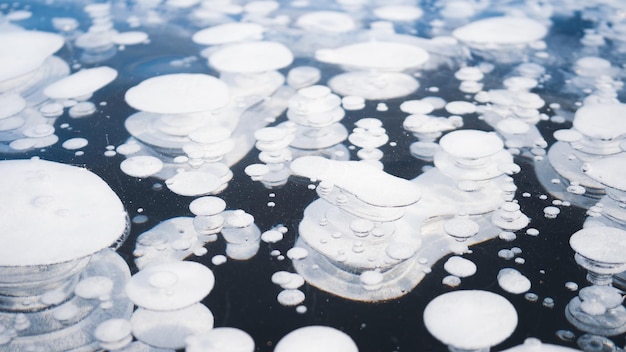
(287, 280)
(504, 30)
(471, 144)
(169, 329)
(65, 312)
(592, 307)
(506, 254)
(256, 171)
(301, 309)
(297, 253)
(294, 282)
(416, 107)
(251, 57)
(457, 10)
(75, 143)
(170, 286)
(565, 335)
(52, 109)
(178, 94)
(24, 51)
(240, 219)
(193, 183)
(229, 33)
(290, 298)
(82, 109)
(371, 280)
(272, 236)
(94, 287)
(471, 87)
(222, 339)
(207, 206)
(459, 266)
(303, 76)
(80, 202)
(19, 15)
(572, 286)
(595, 343)
(218, 259)
(518, 83)
(520, 260)
(141, 166)
(281, 277)
(451, 280)
(38, 131)
(400, 251)
(531, 297)
(512, 126)
(64, 24)
(314, 339)
(398, 12)
(81, 83)
(568, 135)
(128, 148)
(130, 38)
(459, 319)
(461, 228)
(326, 22)
(548, 302)
(460, 107)
(140, 219)
(601, 121)
(23, 144)
(53, 297)
(11, 104)
(376, 55)
(116, 332)
(469, 73)
(261, 7)
(551, 212)
(513, 281)
(352, 102)
(602, 244)
(532, 232)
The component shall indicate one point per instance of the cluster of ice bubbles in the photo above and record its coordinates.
(371, 236)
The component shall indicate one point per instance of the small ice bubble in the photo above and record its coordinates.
(513, 281)
(297, 253)
(218, 259)
(460, 267)
(291, 297)
(271, 236)
(532, 232)
(548, 302)
(451, 280)
(576, 189)
(572, 286)
(565, 335)
(507, 236)
(531, 297)
(551, 212)
(506, 254)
